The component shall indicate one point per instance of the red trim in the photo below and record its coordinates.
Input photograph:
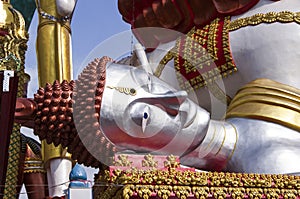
(195, 78)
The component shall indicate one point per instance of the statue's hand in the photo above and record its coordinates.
(168, 14)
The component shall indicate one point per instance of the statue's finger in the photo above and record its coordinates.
(131, 9)
(150, 18)
(204, 11)
(144, 35)
(167, 13)
(232, 6)
(187, 21)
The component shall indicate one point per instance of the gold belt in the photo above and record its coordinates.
(267, 100)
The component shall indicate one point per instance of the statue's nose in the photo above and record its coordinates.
(170, 101)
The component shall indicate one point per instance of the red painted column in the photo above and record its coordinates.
(7, 110)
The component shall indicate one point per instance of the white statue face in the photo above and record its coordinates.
(146, 117)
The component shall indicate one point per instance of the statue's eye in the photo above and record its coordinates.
(145, 119)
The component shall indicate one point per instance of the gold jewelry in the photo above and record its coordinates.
(270, 17)
(224, 138)
(125, 90)
(267, 100)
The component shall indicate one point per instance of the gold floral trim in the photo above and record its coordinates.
(13, 45)
(183, 184)
(270, 17)
(168, 57)
(122, 161)
(171, 162)
(149, 161)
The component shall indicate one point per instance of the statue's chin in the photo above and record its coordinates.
(65, 7)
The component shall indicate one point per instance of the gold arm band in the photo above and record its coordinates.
(267, 100)
(223, 141)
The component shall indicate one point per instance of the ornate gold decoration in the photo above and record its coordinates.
(122, 161)
(7, 61)
(168, 57)
(201, 57)
(270, 17)
(125, 90)
(237, 193)
(171, 162)
(149, 161)
(200, 192)
(267, 100)
(182, 191)
(34, 165)
(163, 191)
(13, 39)
(165, 184)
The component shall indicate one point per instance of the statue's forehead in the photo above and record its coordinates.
(123, 75)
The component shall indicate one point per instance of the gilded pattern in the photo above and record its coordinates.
(122, 161)
(270, 17)
(166, 184)
(198, 50)
(149, 161)
(33, 165)
(202, 56)
(12, 55)
(171, 162)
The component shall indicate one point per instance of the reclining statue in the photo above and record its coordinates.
(116, 108)
(247, 41)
